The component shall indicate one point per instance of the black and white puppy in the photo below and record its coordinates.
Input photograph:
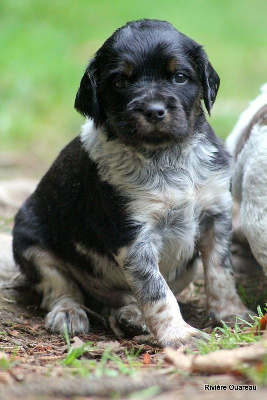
(128, 205)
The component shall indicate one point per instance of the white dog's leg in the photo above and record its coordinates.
(223, 301)
(253, 210)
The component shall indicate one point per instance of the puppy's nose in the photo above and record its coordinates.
(155, 112)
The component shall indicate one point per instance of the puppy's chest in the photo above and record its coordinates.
(171, 210)
(169, 207)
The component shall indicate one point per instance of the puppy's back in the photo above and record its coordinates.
(250, 117)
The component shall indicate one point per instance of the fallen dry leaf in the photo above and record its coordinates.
(97, 350)
(260, 367)
(263, 323)
(178, 359)
(77, 342)
(146, 359)
(13, 333)
(114, 347)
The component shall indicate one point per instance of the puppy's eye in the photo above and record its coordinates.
(180, 78)
(120, 83)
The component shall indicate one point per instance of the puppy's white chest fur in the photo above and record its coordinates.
(167, 191)
(174, 211)
(170, 211)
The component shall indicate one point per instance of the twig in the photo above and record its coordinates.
(217, 362)
(94, 314)
(87, 387)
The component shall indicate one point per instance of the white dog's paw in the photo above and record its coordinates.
(67, 316)
(233, 317)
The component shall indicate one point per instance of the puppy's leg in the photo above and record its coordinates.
(238, 234)
(61, 296)
(155, 299)
(223, 301)
(253, 211)
(185, 277)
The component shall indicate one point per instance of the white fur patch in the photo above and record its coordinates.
(249, 186)
(103, 266)
(166, 323)
(61, 296)
(8, 268)
(250, 189)
(54, 285)
(245, 119)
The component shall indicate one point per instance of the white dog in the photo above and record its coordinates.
(248, 145)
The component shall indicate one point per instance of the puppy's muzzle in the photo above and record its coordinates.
(154, 112)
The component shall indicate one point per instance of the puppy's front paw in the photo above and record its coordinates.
(188, 336)
(67, 316)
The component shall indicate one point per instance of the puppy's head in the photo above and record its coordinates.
(146, 83)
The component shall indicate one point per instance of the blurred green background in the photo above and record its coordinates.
(45, 46)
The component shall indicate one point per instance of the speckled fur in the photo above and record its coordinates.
(126, 208)
(250, 176)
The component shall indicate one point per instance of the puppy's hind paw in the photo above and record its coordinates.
(240, 318)
(68, 317)
(130, 320)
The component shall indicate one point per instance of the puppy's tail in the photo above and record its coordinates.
(8, 269)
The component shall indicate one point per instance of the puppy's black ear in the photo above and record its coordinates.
(86, 101)
(208, 76)
(211, 84)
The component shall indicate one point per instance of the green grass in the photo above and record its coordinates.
(147, 393)
(6, 361)
(256, 374)
(226, 337)
(229, 338)
(46, 45)
(128, 363)
(109, 364)
(75, 353)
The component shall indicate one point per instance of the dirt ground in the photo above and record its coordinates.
(35, 367)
